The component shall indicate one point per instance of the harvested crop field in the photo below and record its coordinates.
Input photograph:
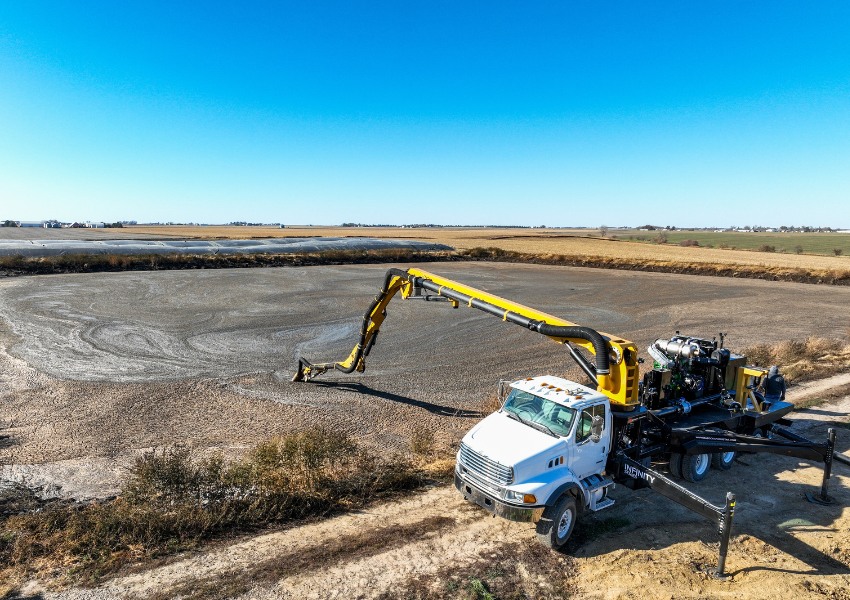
(97, 368)
(567, 242)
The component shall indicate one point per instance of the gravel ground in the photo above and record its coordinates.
(102, 366)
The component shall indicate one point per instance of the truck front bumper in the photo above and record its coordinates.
(496, 506)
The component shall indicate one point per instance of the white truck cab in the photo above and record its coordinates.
(541, 457)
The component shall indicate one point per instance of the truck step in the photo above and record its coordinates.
(596, 482)
(602, 504)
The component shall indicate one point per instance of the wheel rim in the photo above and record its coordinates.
(564, 523)
(728, 457)
(701, 463)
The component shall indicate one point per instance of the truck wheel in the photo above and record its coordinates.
(556, 525)
(695, 466)
(723, 460)
(676, 464)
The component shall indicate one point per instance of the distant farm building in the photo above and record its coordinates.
(91, 225)
(31, 224)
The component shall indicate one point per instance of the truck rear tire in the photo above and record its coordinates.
(723, 460)
(556, 525)
(695, 466)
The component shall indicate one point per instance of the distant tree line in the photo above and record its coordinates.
(748, 228)
(424, 225)
(76, 224)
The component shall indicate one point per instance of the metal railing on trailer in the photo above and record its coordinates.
(689, 442)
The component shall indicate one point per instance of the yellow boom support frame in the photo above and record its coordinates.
(616, 376)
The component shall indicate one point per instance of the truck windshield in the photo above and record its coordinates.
(534, 409)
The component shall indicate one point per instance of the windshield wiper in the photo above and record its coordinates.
(533, 424)
(547, 428)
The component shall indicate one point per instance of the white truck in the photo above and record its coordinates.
(554, 465)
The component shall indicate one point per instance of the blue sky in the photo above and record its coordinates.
(561, 113)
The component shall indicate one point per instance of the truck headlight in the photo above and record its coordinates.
(520, 497)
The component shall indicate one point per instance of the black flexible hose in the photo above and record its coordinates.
(362, 346)
(600, 346)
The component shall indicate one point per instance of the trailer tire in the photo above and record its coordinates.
(723, 460)
(556, 525)
(695, 466)
(676, 464)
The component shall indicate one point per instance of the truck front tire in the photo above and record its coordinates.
(556, 525)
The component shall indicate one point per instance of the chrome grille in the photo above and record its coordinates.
(486, 468)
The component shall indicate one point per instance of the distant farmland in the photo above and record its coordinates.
(795, 243)
(726, 248)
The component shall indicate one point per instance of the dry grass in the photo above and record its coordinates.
(231, 584)
(173, 502)
(518, 570)
(634, 263)
(94, 263)
(803, 360)
(17, 265)
(433, 462)
(830, 395)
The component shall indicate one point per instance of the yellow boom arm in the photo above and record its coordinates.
(615, 371)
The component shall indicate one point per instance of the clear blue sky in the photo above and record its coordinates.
(528, 113)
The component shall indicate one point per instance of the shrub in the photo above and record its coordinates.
(801, 360)
(661, 238)
(689, 243)
(837, 251)
(766, 248)
(172, 502)
(798, 249)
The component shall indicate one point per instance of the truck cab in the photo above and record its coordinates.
(541, 457)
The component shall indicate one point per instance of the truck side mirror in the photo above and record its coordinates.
(596, 428)
(504, 390)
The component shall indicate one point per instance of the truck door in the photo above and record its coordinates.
(592, 441)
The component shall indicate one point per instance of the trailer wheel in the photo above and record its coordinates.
(556, 525)
(723, 460)
(676, 464)
(695, 466)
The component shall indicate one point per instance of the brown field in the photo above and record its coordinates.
(567, 242)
